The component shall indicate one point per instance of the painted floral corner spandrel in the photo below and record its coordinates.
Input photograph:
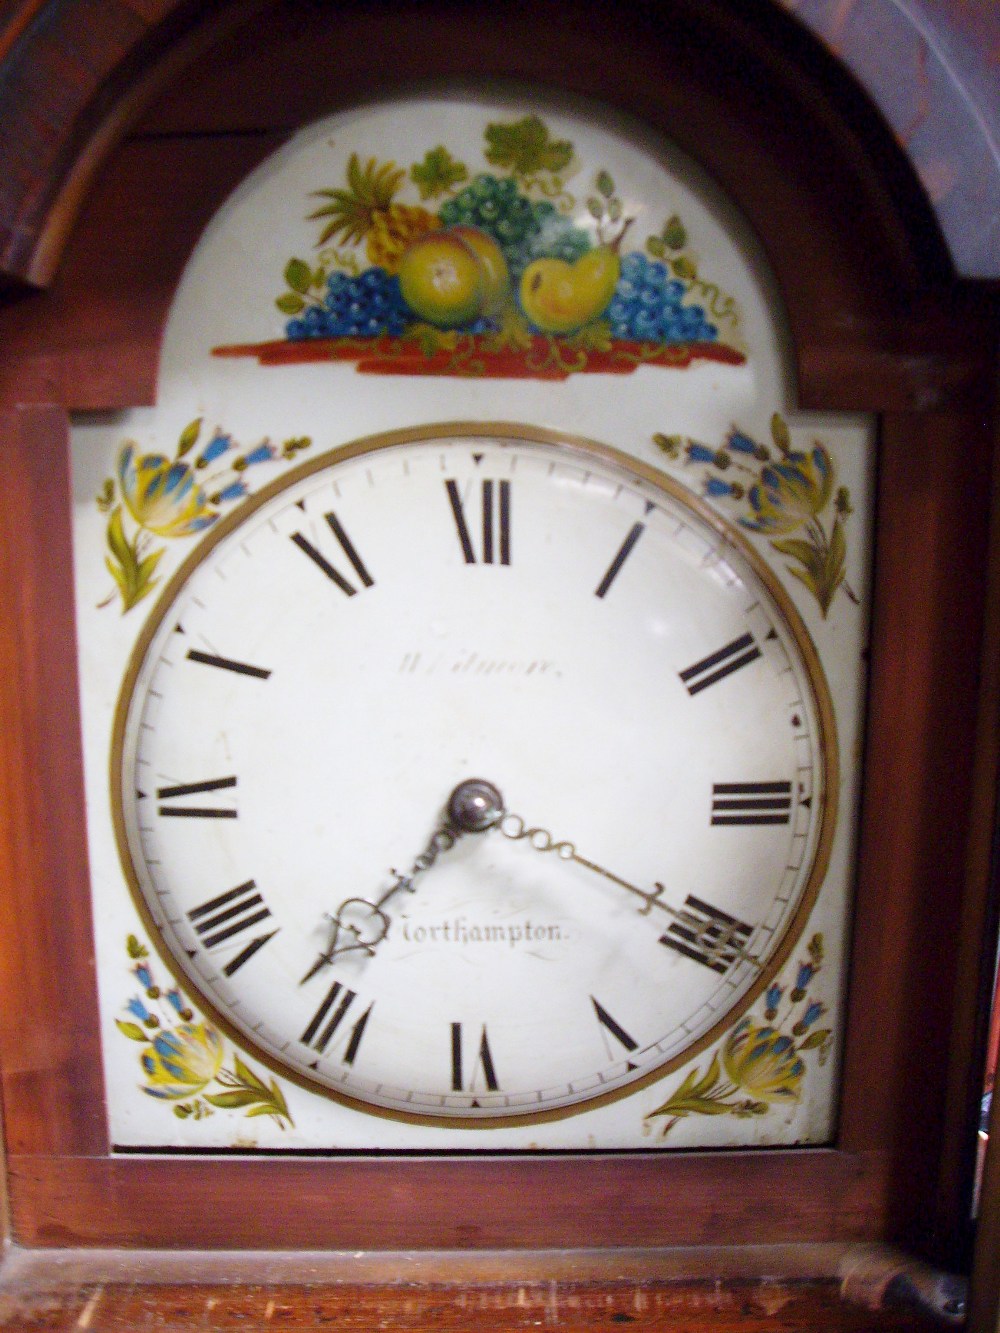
(501, 272)
(152, 496)
(789, 495)
(184, 1060)
(762, 1064)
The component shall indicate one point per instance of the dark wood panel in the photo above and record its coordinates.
(51, 72)
(911, 1060)
(500, 1203)
(931, 359)
(93, 341)
(49, 1047)
(984, 1295)
(76, 73)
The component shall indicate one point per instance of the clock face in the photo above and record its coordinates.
(363, 643)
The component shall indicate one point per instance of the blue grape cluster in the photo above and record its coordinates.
(355, 307)
(523, 229)
(648, 306)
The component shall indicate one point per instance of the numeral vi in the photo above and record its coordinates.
(483, 1062)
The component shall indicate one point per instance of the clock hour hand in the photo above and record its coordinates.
(360, 924)
(356, 924)
(723, 943)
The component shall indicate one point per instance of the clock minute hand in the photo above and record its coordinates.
(515, 828)
(360, 924)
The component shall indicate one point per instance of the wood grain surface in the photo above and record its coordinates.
(773, 1307)
(52, 1080)
(440, 1203)
(820, 1288)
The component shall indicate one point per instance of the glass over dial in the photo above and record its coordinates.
(474, 774)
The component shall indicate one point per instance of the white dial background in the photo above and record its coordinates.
(511, 983)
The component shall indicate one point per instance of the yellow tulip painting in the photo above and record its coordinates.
(184, 1059)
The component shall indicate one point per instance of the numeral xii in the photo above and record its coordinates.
(493, 525)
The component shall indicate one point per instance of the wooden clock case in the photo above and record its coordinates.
(196, 96)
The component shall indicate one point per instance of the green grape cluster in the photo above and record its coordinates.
(524, 229)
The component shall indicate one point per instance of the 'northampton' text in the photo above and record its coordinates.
(459, 930)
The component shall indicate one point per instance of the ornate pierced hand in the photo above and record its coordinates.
(359, 924)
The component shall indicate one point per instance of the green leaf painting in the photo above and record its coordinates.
(526, 147)
(438, 174)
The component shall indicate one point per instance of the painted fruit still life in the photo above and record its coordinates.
(500, 272)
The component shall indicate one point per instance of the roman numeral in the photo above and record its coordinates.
(193, 789)
(493, 525)
(230, 914)
(227, 664)
(615, 1028)
(349, 550)
(328, 1019)
(718, 665)
(751, 802)
(484, 1061)
(613, 570)
(707, 934)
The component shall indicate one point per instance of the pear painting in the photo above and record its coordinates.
(562, 298)
(500, 272)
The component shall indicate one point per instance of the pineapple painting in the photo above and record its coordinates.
(435, 270)
(365, 211)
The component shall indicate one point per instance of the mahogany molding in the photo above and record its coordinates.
(831, 177)
(940, 94)
(426, 1203)
(52, 1070)
(823, 1288)
(75, 75)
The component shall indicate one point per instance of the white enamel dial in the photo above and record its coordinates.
(406, 615)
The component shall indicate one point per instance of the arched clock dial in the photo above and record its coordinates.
(474, 774)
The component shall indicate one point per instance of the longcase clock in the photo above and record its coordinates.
(499, 755)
